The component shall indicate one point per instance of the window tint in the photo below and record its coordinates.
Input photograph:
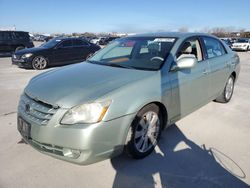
(213, 47)
(66, 43)
(190, 47)
(20, 35)
(5, 36)
(80, 43)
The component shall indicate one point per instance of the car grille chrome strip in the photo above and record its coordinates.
(47, 147)
(35, 110)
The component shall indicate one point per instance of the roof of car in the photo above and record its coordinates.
(67, 38)
(13, 31)
(171, 34)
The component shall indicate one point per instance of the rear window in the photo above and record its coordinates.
(66, 43)
(79, 43)
(213, 47)
(5, 36)
(20, 35)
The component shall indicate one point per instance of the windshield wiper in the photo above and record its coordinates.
(119, 65)
(110, 64)
(94, 62)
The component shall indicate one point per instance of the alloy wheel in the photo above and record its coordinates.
(229, 88)
(39, 63)
(147, 132)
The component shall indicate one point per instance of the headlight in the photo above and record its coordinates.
(86, 113)
(27, 55)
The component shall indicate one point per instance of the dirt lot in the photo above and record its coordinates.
(209, 148)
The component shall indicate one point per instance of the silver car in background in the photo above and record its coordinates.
(242, 44)
(125, 95)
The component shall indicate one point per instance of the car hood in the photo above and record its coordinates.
(29, 50)
(80, 83)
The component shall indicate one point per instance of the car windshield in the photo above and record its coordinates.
(51, 43)
(146, 53)
(242, 40)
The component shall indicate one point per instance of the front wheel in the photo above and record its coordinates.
(39, 63)
(144, 132)
(227, 93)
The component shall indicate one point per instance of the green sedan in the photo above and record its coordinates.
(121, 99)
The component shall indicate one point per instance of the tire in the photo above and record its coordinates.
(143, 135)
(39, 63)
(19, 48)
(227, 93)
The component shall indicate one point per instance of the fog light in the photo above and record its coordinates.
(71, 153)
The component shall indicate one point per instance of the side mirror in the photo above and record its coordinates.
(185, 61)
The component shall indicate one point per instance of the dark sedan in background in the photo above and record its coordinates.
(58, 51)
(105, 41)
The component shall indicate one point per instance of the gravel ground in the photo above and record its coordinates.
(209, 148)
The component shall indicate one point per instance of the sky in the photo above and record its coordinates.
(123, 16)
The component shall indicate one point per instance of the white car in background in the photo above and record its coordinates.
(241, 44)
(96, 40)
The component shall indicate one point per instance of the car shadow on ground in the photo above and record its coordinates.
(177, 166)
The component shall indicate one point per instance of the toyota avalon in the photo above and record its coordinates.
(125, 95)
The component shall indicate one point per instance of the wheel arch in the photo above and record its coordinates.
(41, 55)
(163, 110)
(234, 74)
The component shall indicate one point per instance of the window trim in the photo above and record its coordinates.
(204, 45)
(192, 38)
(59, 44)
(87, 44)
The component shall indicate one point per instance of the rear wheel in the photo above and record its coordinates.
(144, 132)
(39, 63)
(227, 93)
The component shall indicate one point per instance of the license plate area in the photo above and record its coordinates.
(23, 127)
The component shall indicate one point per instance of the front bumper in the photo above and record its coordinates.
(21, 62)
(240, 48)
(90, 142)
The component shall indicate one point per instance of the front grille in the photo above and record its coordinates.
(47, 147)
(35, 110)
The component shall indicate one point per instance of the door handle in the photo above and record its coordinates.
(230, 64)
(205, 71)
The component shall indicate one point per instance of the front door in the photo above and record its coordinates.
(190, 87)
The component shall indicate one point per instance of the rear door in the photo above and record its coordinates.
(219, 61)
(63, 53)
(81, 49)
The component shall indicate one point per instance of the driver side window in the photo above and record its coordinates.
(190, 47)
(66, 44)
